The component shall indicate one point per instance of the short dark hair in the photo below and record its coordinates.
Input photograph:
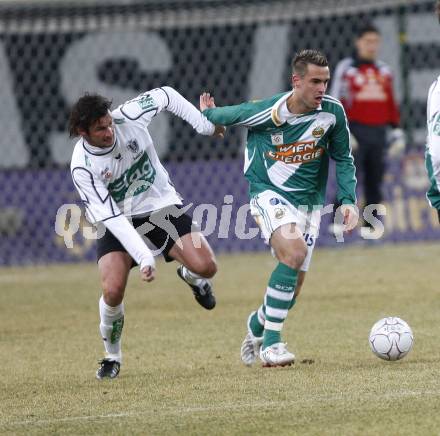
(366, 28)
(88, 109)
(305, 57)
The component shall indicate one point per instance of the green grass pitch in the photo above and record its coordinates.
(182, 372)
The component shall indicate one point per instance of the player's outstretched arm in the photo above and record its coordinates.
(247, 114)
(207, 102)
(181, 107)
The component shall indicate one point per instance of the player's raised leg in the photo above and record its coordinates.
(198, 266)
(114, 268)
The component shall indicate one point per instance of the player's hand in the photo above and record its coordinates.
(206, 101)
(148, 267)
(219, 132)
(148, 273)
(350, 213)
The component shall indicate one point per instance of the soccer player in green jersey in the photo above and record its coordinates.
(291, 137)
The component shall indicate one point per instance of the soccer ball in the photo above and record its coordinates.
(391, 338)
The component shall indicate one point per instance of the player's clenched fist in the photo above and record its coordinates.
(148, 273)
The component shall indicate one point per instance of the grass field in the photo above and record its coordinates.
(182, 372)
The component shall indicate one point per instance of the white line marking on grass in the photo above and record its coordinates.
(185, 410)
(75, 418)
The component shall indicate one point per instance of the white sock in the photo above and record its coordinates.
(112, 322)
(190, 277)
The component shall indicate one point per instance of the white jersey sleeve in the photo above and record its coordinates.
(101, 207)
(433, 120)
(149, 104)
(433, 145)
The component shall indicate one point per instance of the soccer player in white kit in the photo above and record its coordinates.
(123, 185)
(432, 156)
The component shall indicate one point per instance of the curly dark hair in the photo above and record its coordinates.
(88, 109)
(305, 57)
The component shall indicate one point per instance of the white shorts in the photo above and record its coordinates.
(271, 211)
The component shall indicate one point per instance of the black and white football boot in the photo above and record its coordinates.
(202, 291)
(108, 369)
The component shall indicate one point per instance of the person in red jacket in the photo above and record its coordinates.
(364, 85)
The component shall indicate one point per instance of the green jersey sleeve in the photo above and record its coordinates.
(340, 152)
(248, 114)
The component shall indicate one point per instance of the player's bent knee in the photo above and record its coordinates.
(113, 292)
(206, 268)
(210, 269)
(295, 259)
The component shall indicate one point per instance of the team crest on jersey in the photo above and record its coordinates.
(133, 146)
(317, 132)
(106, 173)
(296, 153)
(277, 138)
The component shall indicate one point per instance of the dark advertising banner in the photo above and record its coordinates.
(52, 228)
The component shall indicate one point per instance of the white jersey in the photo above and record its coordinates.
(433, 143)
(128, 178)
(433, 120)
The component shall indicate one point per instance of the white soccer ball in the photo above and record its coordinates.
(391, 338)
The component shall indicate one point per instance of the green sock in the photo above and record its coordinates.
(279, 299)
(256, 322)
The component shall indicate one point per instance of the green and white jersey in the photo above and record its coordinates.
(433, 144)
(290, 153)
(128, 177)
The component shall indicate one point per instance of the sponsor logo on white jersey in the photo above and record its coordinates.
(140, 171)
(146, 102)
